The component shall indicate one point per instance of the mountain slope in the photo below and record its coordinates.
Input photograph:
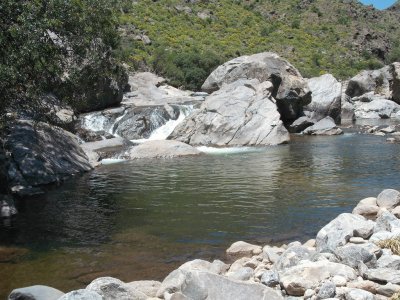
(340, 37)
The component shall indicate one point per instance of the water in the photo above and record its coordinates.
(141, 219)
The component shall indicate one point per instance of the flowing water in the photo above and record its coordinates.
(141, 219)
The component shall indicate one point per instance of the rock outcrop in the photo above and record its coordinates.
(288, 86)
(42, 154)
(240, 113)
(326, 126)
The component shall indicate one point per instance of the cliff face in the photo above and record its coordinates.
(336, 36)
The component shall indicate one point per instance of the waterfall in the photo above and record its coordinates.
(162, 132)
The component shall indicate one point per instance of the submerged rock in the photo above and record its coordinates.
(161, 149)
(239, 114)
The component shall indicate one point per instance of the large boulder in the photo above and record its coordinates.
(42, 154)
(205, 285)
(162, 149)
(338, 232)
(35, 292)
(81, 295)
(289, 88)
(326, 97)
(388, 198)
(240, 113)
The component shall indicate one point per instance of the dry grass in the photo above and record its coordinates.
(395, 297)
(393, 244)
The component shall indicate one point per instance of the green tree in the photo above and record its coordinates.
(45, 43)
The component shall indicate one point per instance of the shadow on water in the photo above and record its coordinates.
(141, 219)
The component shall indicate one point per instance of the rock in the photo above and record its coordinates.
(296, 280)
(148, 89)
(238, 264)
(81, 295)
(310, 243)
(239, 114)
(347, 112)
(216, 267)
(395, 69)
(147, 287)
(272, 253)
(365, 285)
(388, 198)
(338, 232)
(35, 292)
(111, 288)
(388, 290)
(205, 285)
(377, 81)
(325, 126)
(383, 275)
(243, 274)
(357, 240)
(351, 255)
(105, 90)
(42, 154)
(105, 148)
(162, 149)
(368, 201)
(300, 124)
(327, 290)
(243, 249)
(326, 97)
(365, 231)
(387, 222)
(376, 109)
(270, 278)
(366, 210)
(389, 261)
(339, 280)
(289, 88)
(292, 256)
(381, 236)
(308, 294)
(357, 294)
(396, 212)
(389, 129)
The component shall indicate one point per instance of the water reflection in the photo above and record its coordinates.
(138, 217)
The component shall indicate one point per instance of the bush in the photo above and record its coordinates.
(187, 69)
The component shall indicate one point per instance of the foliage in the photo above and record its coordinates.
(317, 37)
(43, 43)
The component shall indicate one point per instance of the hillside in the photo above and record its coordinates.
(185, 40)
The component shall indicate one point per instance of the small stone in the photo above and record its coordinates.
(243, 274)
(366, 210)
(357, 240)
(270, 278)
(308, 294)
(339, 280)
(310, 243)
(368, 201)
(388, 290)
(243, 249)
(238, 264)
(356, 294)
(366, 285)
(389, 129)
(327, 290)
(388, 198)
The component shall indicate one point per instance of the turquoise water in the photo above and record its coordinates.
(141, 219)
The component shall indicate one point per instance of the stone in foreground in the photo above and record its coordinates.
(111, 288)
(81, 295)
(162, 149)
(35, 292)
(205, 285)
(326, 126)
(388, 198)
(308, 275)
(243, 249)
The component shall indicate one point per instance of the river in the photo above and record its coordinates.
(141, 219)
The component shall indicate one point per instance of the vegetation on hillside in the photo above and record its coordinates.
(45, 44)
(189, 38)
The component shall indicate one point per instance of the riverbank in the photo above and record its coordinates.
(348, 259)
